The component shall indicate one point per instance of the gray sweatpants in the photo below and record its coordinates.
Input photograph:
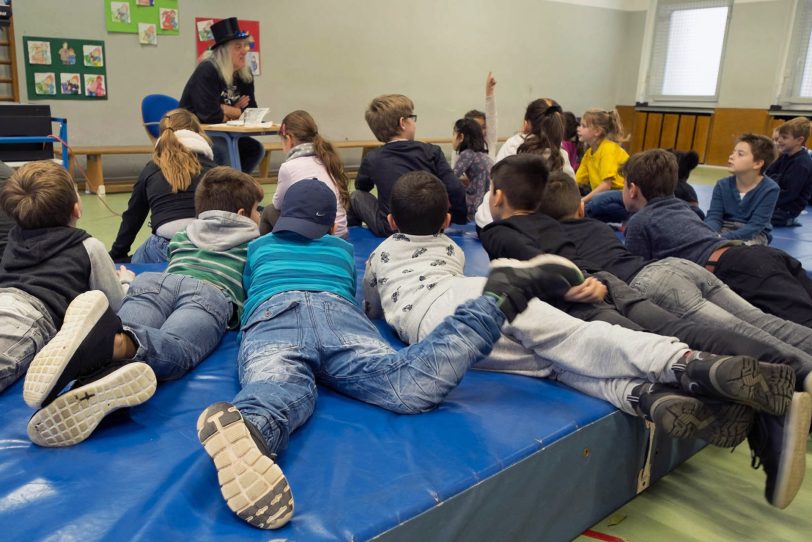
(597, 358)
(25, 327)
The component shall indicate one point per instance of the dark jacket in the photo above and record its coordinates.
(383, 166)
(524, 237)
(50, 264)
(597, 244)
(205, 91)
(794, 177)
(152, 193)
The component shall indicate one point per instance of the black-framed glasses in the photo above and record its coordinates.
(413, 117)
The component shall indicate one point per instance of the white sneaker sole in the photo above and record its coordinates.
(47, 366)
(74, 415)
(552, 262)
(252, 485)
(792, 466)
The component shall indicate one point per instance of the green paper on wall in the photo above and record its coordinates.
(65, 69)
(125, 15)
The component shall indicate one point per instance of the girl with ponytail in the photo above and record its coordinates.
(602, 132)
(309, 156)
(165, 188)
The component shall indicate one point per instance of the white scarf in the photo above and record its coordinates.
(194, 142)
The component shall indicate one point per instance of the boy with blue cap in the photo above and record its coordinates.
(301, 324)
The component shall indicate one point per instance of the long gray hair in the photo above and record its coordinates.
(221, 58)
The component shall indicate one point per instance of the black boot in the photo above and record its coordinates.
(778, 443)
(514, 282)
(767, 387)
(682, 416)
(83, 345)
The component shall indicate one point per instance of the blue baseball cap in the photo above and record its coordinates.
(308, 208)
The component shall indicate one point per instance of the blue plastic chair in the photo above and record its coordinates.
(153, 108)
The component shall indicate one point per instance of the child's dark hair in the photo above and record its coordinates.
(419, 203)
(546, 131)
(761, 146)
(472, 137)
(686, 163)
(474, 114)
(300, 124)
(561, 198)
(39, 195)
(654, 172)
(225, 189)
(522, 178)
(570, 126)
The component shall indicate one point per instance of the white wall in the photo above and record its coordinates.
(331, 58)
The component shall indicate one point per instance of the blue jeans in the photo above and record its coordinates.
(251, 152)
(153, 250)
(607, 206)
(176, 321)
(295, 339)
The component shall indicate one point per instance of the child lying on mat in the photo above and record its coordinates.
(46, 264)
(167, 324)
(415, 279)
(301, 325)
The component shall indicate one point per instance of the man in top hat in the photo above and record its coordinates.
(222, 87)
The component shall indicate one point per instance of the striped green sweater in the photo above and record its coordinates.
(222, 269)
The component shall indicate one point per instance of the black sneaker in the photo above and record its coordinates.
(514, 282)
(83, 345)
(767, 387)
(682, 416)
(252, 484)
(74, 415)
(778, 443)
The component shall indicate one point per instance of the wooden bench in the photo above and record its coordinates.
(365, 145)
(94, 172)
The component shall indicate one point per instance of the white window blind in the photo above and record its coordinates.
(689, 38)
(800, 54)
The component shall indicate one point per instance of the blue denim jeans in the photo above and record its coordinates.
(251, 152)
(607, 206)
(153, 250)
(296, 339)
(176, 321)
(25, 327)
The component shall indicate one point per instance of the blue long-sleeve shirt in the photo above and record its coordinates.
(754, 211)
(793, 173)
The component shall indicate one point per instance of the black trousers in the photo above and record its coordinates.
(364, 208)
(770, 279)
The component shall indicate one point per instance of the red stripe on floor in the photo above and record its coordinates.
(600, 536)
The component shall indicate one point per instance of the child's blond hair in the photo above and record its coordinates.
(384, 113)
(178, 164)
(39, 195)
(608, 122)
(797, 127)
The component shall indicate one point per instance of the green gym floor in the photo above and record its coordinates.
(715, 496)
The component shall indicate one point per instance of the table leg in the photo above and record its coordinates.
(234, 151)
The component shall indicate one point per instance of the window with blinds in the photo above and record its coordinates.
(799, 62)
(689, 40)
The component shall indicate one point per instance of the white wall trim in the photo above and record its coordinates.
(621, 5)
(645, 54)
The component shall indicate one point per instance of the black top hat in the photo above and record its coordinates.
(226, 30)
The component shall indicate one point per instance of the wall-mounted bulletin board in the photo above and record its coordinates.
(147, 18)
(65, 69)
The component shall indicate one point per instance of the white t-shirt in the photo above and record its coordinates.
(405, 275)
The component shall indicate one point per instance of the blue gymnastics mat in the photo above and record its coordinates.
(505, 457)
